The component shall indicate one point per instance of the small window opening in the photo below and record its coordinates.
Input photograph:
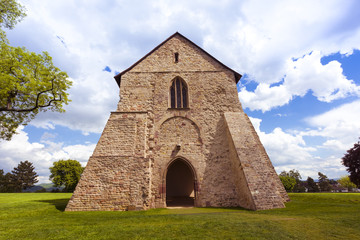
(176, 57)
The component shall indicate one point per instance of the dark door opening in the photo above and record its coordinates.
(179, 184)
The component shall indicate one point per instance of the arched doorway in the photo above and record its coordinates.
(180, 184)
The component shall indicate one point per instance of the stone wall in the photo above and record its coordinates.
(117, 175)
(129, 164)
(263, 188)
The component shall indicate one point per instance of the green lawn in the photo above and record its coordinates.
(307, 216)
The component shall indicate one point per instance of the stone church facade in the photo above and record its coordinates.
(179, 136)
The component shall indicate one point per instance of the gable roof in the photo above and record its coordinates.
(237, 75)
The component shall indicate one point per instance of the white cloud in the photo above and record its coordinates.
(338, 128)
(259, 38)
(264, 97)
(284, 148)
(335, 144)
(288, 150)
(278, 31)
(42, 154)
(326, 82)
(341, 126)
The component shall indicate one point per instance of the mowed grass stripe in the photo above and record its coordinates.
(307, 216)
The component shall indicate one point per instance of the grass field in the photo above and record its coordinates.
(307, 216)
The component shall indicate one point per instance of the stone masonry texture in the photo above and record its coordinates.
(212, 135)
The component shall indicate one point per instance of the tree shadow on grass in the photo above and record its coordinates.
(60, 204)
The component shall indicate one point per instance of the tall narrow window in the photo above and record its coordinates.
(176, 57)
(178, 94)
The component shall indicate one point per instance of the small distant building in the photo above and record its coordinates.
(179, 136)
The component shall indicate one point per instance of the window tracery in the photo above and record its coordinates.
(178, 94)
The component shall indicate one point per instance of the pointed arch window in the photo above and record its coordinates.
(178, 94)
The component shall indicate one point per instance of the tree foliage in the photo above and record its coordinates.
(324, 183)
(5, 182)
(288, 182)
(23, 176)
(29, 82)
(11, 13)
(295, 175)
(66, 173)
(311, 185)
(351, 161)
(345, 182)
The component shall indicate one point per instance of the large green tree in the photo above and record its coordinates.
(66, 173)
(23, 176)
(295, 175)
(29, 82)
(351, 161)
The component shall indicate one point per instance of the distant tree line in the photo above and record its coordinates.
(351, 160)
(20, 178)
(65, 175)
(292, 183)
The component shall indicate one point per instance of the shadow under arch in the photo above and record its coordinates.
(180, 181)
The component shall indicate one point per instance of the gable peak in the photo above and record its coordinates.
(237, 75)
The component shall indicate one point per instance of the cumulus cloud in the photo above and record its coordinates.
(326, 82)
(338, 128)
(289, 151)
(41, 154)
(341, 126)
(259, 38)
(264, 97)
(285, 149)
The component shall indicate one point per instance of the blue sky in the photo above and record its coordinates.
(300, 62)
